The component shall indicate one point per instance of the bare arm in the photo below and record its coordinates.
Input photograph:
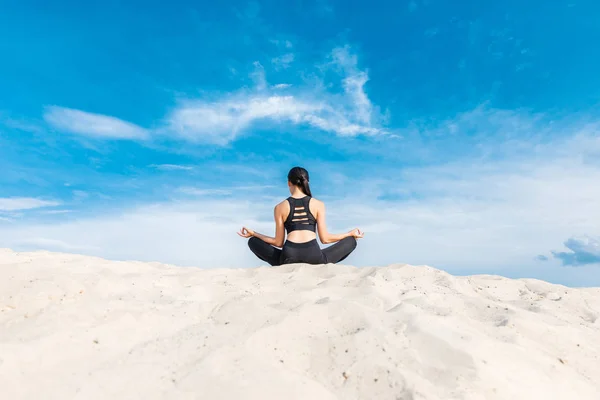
(276, 241)
(327, 237)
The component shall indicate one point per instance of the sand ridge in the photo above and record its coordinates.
(78, 327)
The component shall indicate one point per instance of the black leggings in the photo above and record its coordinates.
(309, 252)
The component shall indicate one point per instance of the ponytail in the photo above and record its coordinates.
(305, 187)
(299, 177)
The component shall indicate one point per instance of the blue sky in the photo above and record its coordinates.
(459, 136)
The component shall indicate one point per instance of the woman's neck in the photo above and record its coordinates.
(297, 193)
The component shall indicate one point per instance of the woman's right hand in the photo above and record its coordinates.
(356, 233)
(245, 232)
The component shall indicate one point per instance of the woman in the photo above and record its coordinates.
(301, 216)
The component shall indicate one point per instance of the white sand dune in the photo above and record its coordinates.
(77, 327)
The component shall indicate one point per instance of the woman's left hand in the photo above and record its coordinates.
(356, 233)
(245, 232)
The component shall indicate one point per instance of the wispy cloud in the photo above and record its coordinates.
(57, 212)
(284, 61)
(258, 76)
(172, 167)
(20, 124)
(225, 191)
(92, 125)
(282, 43)
(53, 245)
(528, 182)
(479, 214)
(24, 203)
(219, 121)
(582, 251)
(159, 232)
(204, 192)
(354, 83)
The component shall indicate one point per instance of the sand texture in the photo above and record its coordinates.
(78, 327)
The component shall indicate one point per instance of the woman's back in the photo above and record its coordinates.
(300, 218)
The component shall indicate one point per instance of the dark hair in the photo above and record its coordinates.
(299, 176)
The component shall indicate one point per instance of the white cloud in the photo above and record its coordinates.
(53, 245)
(222, 120)
(92, 125)
(172, 167)
(481, 214)
(20, 124)
(56, 212)
(282, 86)
(284, 61)
(204, 192)
(24, 203)
(80, 194)
(466, 217)
(492, 212)
(258, 76)
(354, 83)
(225, 191)
(198, 233)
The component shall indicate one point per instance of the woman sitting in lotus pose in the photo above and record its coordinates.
(301, 216)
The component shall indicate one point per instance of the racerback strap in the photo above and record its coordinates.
(300, 217)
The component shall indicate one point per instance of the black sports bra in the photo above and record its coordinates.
(300, 217)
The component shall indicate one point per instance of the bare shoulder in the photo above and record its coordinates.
(316, 206)
(316, 202)
(282, 207)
